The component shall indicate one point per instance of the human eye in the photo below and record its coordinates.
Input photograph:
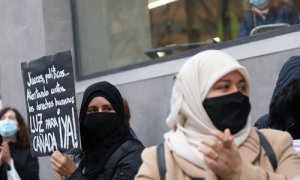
(222, 86)
(242, 87)
(91, 110)
(108, 108)
(12, 117)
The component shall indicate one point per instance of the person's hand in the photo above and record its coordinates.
(222, 156)
(62, 164)
(210, 175)
(57, 176)
(5, 156)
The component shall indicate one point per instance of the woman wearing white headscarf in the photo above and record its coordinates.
(210, 133)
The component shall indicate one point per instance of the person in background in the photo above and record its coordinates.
(16, 162)
(262, 12)
(211, 135)
(127, 114)
(284, 113)
(108, 149)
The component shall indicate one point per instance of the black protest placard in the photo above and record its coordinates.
(51, 104)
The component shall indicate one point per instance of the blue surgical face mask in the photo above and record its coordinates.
(8, 127)
(261, 4)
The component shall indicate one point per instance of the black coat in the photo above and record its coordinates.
(122, 165)
(284, 113)
(26, 165)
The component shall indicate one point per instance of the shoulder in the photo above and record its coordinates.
(262, 122)
(274, 136)
(285, 7)
(132, 144)
(130, 147)
(248, 15)
(126, 160)
(288, 159)
(149, 167)
(149, 154)
(280, 140)
(129, 153)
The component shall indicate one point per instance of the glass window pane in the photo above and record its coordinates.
(111, 34)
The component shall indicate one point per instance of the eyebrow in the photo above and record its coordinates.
(105, 105)
(108, 105)
(227, 80)
(92, 106)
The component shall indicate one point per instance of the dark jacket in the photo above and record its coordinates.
(122, 165)
(283, 14)
(284, 113)
(26, 165)
(262, 122)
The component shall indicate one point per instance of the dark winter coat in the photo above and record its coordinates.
(284, 113)
(122, 165)
(284, 14)
(26, 166)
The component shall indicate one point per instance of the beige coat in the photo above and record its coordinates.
(255, 166)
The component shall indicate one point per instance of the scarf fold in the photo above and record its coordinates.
(188, 120)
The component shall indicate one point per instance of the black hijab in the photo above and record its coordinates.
(283, 111)
(96, 155)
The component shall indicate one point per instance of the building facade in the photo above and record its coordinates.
(34, 28)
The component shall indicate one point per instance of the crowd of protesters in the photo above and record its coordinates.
(210, 133)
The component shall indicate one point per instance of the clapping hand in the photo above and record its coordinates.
(5, 156)
(222, 156)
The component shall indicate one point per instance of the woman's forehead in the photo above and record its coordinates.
(236, 75)
(9, 113)
(99, 100)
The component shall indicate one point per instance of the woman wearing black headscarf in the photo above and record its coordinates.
(109, 150)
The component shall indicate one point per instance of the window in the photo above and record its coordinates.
(113, 34)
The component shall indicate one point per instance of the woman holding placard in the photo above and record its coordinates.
(109, 150)
(16, 161)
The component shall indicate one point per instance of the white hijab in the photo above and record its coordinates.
(188, 120)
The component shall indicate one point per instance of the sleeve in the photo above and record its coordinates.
(11, 172)
(78, 175)
(32, 170)
(149, 168)
(128, 166)
(245, 27)
(287, 158)
(293, 18)
(288, 14)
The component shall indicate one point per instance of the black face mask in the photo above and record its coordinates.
(229, 111)
(100, 125)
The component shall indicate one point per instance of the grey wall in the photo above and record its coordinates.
(149, 100)
(30, 29)
(264, 72)
(22, 38)
(33, 28)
